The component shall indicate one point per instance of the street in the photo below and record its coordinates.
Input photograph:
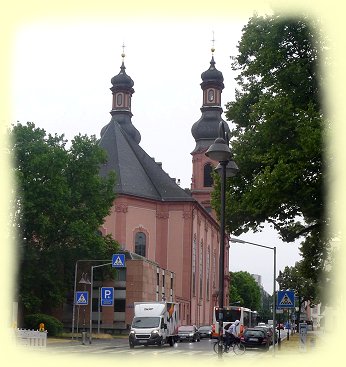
(120, 347)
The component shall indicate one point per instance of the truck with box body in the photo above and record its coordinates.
(154, 323)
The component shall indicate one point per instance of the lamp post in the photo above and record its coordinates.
(84, 280)
(91, 298)
(220, 152)
(237, 240)
(75, 288)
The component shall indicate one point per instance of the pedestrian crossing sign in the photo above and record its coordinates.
(285, 299)
(118, 260)
(82, 298)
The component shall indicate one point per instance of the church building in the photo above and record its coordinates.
(170, 235)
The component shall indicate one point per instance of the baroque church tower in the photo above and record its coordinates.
(205, 131)
(169, 235)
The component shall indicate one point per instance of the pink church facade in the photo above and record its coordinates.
(182, 238)
(173, 232)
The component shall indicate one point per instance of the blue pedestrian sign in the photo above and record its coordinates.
(82, 298)
(107, 296)
(118, 260)
(285, 299)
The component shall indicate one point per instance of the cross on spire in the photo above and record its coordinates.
(123, 54)
(213, 44)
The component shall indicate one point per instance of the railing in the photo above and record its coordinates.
(32, 338)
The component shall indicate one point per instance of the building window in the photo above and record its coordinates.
(214, 269)
(119, 99)
(120, 275)
(208, 178)
(119, 305)
(194, 265)
(210, 95)
(140, 243)
(201, 271)
(208, 271)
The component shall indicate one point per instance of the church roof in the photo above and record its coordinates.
(137, 173)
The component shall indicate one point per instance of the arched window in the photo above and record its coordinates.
(208, 179)
(140, 243)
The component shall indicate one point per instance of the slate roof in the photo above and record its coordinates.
(137, 173)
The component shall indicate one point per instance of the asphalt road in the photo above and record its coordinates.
(120, 347)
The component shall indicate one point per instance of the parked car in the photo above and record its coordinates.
(189, 333)
(269, 331)
(205, 331)
(255, 338)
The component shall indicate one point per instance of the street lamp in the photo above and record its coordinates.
(220, 152)
(84, 280)
(237, 240)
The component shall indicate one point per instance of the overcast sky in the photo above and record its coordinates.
(61, 78)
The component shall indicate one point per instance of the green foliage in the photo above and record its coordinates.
(60, 204)
(244, 290)
(305, 289)
(277, 139)
(51, 324)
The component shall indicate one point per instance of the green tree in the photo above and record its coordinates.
(293, 278)
(61, 202)
(244, 290)
(277, 140)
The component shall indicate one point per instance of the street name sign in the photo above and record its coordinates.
(285, 299)
(82, 298)
(107, 296)
(118, 260)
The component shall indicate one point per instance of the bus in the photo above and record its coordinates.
(247, 318)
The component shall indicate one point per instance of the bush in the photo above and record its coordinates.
(51, 324)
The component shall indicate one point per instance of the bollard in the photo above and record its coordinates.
(84, 336)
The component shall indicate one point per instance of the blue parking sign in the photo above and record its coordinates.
(107, 296)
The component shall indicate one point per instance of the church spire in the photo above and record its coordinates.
(205, 130)
(122, 89)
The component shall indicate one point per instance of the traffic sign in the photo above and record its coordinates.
(82, 298)
(285, 299)
(118, 260)
(107, 296)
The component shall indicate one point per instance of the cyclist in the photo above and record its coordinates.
(231, 333)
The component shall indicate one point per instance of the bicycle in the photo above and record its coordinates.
(237, 346)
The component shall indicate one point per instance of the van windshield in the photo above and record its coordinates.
(145, 322)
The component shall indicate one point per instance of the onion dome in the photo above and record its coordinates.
(212, 76)
(122, 80)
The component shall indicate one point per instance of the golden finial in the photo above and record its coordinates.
(213, 43)
(123, 54)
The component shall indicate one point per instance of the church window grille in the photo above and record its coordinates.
(140, 243)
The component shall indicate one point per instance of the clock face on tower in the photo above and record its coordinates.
(210, 95)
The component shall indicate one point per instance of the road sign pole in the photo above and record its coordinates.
(99, 312)
(91, 302)
(91, 305)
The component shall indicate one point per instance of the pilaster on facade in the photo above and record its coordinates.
(121, 208)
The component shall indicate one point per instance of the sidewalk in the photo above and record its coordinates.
(117, 340)
(294, 345)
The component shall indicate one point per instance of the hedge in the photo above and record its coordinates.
(51, 324)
